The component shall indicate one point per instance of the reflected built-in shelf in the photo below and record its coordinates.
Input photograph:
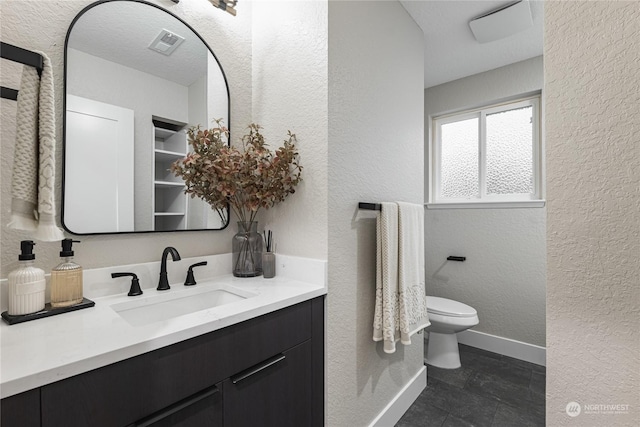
(169, 200)
(167, 156)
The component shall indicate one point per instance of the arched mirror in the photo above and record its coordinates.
(136, 77)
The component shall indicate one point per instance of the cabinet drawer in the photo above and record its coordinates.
(257, 339)
(127, 391)
(275, 393)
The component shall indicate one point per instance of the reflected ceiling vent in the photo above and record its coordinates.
(502, 22)
(166, 42)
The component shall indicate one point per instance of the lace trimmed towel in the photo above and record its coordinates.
(386, 322)
(400, 308)
(33, 179)
(411, 281)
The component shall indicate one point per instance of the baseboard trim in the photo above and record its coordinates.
(392, 413)
(505, 346)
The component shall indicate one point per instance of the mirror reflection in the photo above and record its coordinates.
(137, 78)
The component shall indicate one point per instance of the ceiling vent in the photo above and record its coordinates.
(503, 22)
(166, 42)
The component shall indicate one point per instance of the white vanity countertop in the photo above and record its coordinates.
(46, 350)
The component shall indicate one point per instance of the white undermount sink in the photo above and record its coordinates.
(176, 302)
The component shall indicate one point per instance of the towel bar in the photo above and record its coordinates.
(23, 56)
(8, 93)
(370, 206)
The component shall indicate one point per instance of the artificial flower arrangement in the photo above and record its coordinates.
(245, 179)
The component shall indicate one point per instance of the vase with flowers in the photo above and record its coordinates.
(246, 179)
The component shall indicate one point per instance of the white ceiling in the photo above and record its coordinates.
(451, 51)
(121, 32)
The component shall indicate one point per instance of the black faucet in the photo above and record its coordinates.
(163, 284)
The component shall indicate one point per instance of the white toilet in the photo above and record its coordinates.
(447, 317)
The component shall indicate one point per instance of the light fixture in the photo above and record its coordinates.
(228, 5)
(503, 22)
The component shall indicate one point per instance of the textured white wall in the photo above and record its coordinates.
(592, 82)
(290, 93)
(503, 277)
(376, 148)
(42, 25)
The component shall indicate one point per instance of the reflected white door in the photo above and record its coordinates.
(103, 133)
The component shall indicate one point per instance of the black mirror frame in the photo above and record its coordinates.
(64, 121)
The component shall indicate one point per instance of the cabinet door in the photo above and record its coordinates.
(21, 410)
(201, 409)
(276, 392)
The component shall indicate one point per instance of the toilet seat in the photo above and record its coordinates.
(447, 307)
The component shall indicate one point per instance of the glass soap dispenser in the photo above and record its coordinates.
(26, 284)
(66, 278)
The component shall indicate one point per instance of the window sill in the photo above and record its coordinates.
(488, 205)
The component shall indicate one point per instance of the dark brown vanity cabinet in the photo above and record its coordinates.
(267, 371)
(21, 410)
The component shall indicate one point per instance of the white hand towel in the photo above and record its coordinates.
(33, 179)
(412, 298)
(386, 325)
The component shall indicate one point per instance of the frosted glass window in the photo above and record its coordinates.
(510, 151)
(459, 148)
(487, 155)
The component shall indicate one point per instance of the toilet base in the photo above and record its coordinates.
(442, 351)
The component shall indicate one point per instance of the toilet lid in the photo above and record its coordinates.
(447, 307)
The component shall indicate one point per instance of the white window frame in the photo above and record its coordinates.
(484, 200)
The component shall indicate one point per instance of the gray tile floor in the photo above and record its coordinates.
(489, 390)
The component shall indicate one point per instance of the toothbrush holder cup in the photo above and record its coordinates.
(268, 265)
